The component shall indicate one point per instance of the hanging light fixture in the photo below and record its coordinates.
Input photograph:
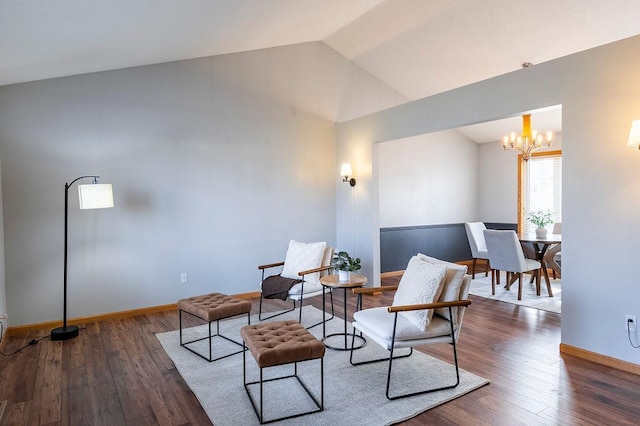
(528, 141)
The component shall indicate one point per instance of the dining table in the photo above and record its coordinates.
(541, 246)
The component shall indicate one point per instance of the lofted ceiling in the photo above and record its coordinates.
(416, 47)
(542, 120)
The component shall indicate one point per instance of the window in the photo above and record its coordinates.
(540, 188)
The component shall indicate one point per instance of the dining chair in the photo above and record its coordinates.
(477, 245)
(505, 254)
(554, 252)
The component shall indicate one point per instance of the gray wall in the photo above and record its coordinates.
(599, 91)
(446, 242)
(215, 164)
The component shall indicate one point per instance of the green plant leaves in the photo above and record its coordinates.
(343, 262)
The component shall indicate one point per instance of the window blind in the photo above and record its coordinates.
(542, 188)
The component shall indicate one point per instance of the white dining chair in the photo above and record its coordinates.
(505, 254)
(477, 245)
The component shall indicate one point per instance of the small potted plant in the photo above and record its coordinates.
(541, 219)
(345, 264)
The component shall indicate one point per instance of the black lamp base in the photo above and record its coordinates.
(65, 333)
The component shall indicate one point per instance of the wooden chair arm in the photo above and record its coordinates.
(434, 305)
(270, 265)
(311, 271)
(372, 290)
(303, 273)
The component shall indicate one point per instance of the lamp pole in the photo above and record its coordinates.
(67, 332)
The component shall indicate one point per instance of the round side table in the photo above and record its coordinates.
(332, 282)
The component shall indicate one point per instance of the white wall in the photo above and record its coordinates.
(428, 179)
(498, 201)
(215, 164)
(444, 177)
(599, 91)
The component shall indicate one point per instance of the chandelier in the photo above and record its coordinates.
(528, 141)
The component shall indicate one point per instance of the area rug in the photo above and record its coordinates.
(481, 286)
(352, 395)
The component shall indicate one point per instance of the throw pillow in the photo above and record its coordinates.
(302, 257)
(452, 283)
(421, 283)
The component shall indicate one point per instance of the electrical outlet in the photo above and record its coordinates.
(183, 278)
(630, 322)
(4, 316)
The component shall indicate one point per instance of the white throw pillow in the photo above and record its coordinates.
(452, 283)
(421, 283)
(302, 257)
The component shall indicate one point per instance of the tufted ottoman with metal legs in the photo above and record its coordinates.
(280, 343)
(209, 308)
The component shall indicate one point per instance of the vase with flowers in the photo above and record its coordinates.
(541, 219)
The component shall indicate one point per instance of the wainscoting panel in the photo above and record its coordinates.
(447, 242)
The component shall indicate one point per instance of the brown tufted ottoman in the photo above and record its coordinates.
(209, 308)
(279, 343)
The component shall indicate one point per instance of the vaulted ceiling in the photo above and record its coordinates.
(417, 47)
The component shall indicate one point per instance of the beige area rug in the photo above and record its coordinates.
(481, 286)
(352, 395)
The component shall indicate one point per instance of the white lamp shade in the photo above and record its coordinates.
(95, 196)
(345, 170)
(634, 134)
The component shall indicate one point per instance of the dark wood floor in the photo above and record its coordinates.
(116, 373)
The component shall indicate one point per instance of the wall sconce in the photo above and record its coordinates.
(634, 134)
(345, 172)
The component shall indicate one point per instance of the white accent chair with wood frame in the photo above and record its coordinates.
(306, 262)
(406, 325)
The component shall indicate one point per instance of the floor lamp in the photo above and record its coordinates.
(93, 196)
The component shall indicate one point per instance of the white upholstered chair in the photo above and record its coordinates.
(305, 263)
(408, 322)
(505, 254)
(477, 244)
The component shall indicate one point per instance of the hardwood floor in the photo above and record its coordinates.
(116, 373)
